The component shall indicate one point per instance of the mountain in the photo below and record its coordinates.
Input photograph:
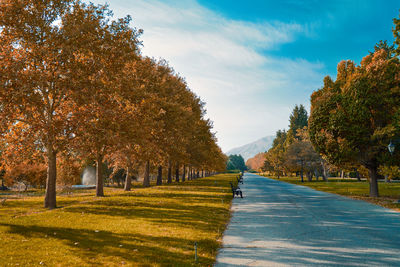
(250, 150)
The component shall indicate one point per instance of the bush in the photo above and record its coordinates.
(232, 171)
(29, 174)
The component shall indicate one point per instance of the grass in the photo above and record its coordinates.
(155, 226)
(389, 192)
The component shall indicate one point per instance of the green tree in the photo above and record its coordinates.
(274, 158)
(390, 49)
(236, 162)
(396, 33)
(298, 120)
(353, 118)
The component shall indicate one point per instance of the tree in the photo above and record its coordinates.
(256, 162)
(396, 33)
(353, 118)
(274, 158)
(28, 174)
(301, 156)
(390, 49)
(389, 172)
(34, 88)
(102, 50)
(236, 162)
(297, 120)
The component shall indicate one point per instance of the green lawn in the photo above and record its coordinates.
(389, 192)
(155, 226)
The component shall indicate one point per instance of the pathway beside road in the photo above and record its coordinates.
(281, 224)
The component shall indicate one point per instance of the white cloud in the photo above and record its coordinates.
(248, 93)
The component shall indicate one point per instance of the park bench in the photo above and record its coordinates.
(240, 179)
(236, 190)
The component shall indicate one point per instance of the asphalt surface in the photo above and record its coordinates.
(281, 224)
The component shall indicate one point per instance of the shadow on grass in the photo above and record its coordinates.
(192, 209)
(89, 245)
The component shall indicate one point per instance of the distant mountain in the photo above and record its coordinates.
(250, 150)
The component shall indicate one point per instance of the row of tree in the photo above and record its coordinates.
(75, 87)
(292, 151)
(352, 121)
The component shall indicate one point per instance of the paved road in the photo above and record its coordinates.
(280, 224)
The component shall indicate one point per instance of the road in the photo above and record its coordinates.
(281, 224)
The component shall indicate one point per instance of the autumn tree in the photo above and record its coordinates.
(274, 158)
(301, 156)
(256, 162)
(102, 48)
(353, 118)
(34, 89)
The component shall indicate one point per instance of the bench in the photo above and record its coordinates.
(240, 179)
(236, 190)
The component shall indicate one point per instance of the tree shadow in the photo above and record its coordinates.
(89, 245)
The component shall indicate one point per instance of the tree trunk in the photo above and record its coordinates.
(50, 197)
(177, 173)
(198, 174)
(373, 181)
(358, 175)
(128, 181)
(342, 174)
(324, 173)
(99, 176)
(301, 173)
(146, 178)
(169, 175)
(159, 176)
(202, 173)
(309, 176)
(184, 173)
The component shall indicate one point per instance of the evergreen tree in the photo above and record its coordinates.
(390, 49)
(236, 162)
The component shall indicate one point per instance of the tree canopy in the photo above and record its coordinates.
(353, 118)
(236, 162)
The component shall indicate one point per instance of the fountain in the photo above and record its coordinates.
(88, 179)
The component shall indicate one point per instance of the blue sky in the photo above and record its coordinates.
(253, 61)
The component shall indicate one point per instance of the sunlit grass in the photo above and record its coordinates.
(156, 226)
(389, 192)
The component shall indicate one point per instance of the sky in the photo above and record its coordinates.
(252, 61)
